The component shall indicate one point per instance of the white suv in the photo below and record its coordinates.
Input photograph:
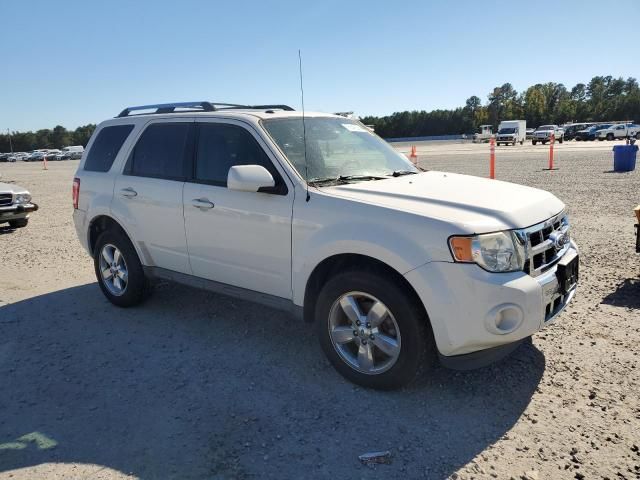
(318, 215)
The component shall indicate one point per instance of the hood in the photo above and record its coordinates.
(10, 188)
(474, 204)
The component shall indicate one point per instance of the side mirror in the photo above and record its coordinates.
(249, 178)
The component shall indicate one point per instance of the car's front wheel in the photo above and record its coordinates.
(20, 223)
(118, 269)
(373, 332)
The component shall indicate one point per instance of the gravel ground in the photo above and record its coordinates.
(195, 385)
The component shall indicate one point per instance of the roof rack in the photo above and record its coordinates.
(198, 107)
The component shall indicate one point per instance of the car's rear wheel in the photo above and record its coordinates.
(638, 136)
(118, 269)
(610, 136)
(372, 331)
(20, 223)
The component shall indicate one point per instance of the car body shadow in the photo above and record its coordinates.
(197, 385)
(627, 294)
(4, 229)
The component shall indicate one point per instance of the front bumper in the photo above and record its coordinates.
(16, 212)
(472, 310)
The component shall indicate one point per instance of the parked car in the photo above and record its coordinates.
(18, 156)
(619, 131)
(394, 266)
(570, 131)
(36, 155)
(72, 155)
(4, 157)
(543, 134)
(530, 132)
(591, 132)
(73, 148)
(15, 205)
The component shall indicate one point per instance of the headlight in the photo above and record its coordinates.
(23, 198)
(495, 252)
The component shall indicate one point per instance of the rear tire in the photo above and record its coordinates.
(533, 142)
(129, 275)
(404, 326)
(610, 136)
(20, 223)
(638, 136)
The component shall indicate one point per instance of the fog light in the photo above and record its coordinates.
(504, 319)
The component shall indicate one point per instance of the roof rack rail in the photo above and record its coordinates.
(198, 107)
(271, 107)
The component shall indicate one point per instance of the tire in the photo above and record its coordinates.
(561, 140)
(533, 142)
(544, 142)
(20, 223)
(610, 136)
(135, 286)
(405, 322)
(638, 136)
(521, 142)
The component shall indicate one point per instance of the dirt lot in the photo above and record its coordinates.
(195, 385)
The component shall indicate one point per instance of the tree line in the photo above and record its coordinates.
(57, 138)
(602, 99)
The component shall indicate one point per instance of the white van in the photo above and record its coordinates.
(73, 148)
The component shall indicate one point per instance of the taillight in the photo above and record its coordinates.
(76, 192)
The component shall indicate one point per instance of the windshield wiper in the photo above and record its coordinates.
(362, 177)
(399, 173)
(344, 179)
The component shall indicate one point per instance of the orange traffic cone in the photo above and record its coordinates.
(414, 156)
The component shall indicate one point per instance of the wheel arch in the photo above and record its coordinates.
(330, 266)
(102, 223)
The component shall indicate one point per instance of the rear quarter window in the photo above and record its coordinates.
(105, 148)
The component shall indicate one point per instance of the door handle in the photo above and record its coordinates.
(128, 192)
(202, 203)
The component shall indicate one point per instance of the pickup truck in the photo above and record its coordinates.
(543, 134)
(619, 131)
(392, 266)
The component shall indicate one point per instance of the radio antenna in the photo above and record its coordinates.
(304, 128)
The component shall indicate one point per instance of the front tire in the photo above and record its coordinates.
(373, 332)
(118, 269)
(610, 136)
(20, 223)
(533, 142)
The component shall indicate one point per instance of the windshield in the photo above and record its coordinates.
(336, 147)
(507, 130)
(546, 127)
(602, 127)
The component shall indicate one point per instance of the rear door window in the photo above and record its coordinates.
(161, 152)
(105, 148)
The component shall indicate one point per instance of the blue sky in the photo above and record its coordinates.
(78, 62)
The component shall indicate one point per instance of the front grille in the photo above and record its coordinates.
(5, 199)
(543, 249)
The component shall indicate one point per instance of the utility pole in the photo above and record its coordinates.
(10, 142)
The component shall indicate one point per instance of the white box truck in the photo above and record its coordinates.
(512, 132)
